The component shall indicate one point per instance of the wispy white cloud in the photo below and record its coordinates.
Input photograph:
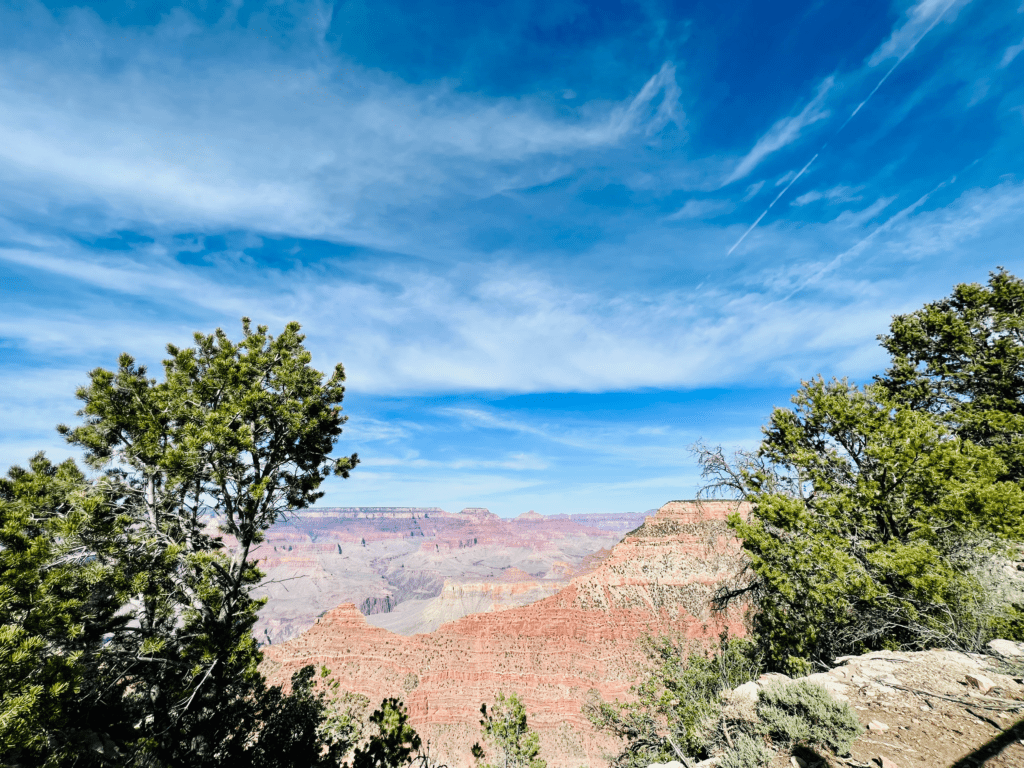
(514, 461)
(502, 327)
(919, 19)
(701, 209)
(752, 191)
(235, 137)
(837, 194)
(1011, 53)
(784, 132)
(854, 219)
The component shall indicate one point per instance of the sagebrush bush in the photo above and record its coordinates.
(805, 714)
(747, 752)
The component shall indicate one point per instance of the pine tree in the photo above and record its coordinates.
(505, 727)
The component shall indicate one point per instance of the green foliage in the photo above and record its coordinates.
(505, 727)
(1009, 624)
(963, 359)
(345, 714)
(867, 516)
(803, 714)
(747, 752)
(294, 729)
(125, 623)
(678, 703)
(60, 596)
(394, 741)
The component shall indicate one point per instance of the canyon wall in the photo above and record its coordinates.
(584, 642)
(400, 559)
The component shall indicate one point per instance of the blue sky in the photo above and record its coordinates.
(526, 228)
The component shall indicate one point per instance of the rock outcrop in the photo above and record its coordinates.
(925, 708)
(582, 642)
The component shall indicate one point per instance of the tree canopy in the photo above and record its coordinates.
(876, 508)
(125, 614)
(962, 358)
(505, 727)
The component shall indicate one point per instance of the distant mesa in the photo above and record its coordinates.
(370, 513)
(531, 515)
(479, 512)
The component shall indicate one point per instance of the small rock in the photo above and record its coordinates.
(885, 762)
(830, 684)
(773, 677)
(878, 726)
(982, 683)
(797, 762)
(1005, 648)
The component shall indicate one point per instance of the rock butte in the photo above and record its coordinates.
(579, 644)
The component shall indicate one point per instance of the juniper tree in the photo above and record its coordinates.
(874, 508)
(505, 727)
(867, 517)
(962, 358)
(61, 592)
(233, 437)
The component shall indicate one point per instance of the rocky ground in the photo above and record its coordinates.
(940, 709)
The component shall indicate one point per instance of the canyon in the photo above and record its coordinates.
(583, 643)
(410, 569)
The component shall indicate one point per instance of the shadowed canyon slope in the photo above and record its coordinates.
(411, 569)
(583, 641)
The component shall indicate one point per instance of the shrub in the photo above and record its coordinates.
(505, 727)
(394, 742)
(747, 752)
(678, 705)
(805, 714)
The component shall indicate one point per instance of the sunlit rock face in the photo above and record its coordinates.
(579, 643)
(411, 569)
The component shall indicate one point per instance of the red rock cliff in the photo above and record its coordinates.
(581, 642)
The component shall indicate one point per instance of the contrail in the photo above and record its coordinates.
(845, 123)
(773, 202)
(898, 61)
(859, 246)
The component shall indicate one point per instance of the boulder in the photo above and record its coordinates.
(1006, 648)
(980, 682)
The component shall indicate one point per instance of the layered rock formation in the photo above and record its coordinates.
(458, 598)
(400, 559)
(582, 642)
